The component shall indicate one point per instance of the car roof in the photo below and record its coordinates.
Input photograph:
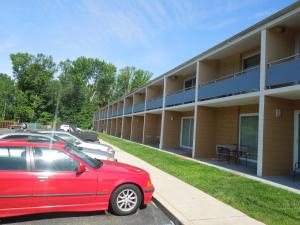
(23, 142)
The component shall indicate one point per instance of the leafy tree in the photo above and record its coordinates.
(7, 93)
(130, 79)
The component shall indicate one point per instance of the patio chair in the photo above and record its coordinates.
(224, 151)
(296, 170)
(243, 153)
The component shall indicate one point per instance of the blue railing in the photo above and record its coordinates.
(243, 82)
(114, 113)
(181, 97)
(120, 112)
(139, 107)
(109, 115)
(154, 103)
(284, 72)
(128, 110)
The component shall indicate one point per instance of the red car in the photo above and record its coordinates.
(44, 177)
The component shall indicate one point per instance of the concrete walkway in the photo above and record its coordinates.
(188, 204)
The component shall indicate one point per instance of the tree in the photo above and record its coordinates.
(7, 93)
(87, 84)
(130, 79)
(33, 76)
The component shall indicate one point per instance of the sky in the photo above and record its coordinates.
(155, 35)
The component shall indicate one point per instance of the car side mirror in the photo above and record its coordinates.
(81, 169)
(77, 142)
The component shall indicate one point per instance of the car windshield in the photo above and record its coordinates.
(95, 163)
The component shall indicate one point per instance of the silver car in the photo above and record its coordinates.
(36, 137)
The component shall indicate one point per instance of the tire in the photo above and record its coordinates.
(120, 204)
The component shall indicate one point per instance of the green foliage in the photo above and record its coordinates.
(71, 91)
(130, 79)
(261, 201)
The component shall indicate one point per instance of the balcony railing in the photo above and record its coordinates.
(120, 112)
(114, 113)
(181, 97)
(139, 107)
(154, 103)
(284, 72)
(128, 110)
(242, 82)
(109, 115)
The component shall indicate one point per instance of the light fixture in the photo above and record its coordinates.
(172, 118)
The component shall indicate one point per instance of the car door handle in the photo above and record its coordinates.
(42, 177)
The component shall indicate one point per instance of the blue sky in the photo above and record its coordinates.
(155, 35)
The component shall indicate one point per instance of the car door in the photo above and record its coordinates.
(15, 178)
(56, 182)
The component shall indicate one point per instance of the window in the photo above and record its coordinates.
(46, 159)
(68, 138)
(189, 83)
(298, 45)
(16, 137)
(38, 138)
(13, 158)
(187, 132)
(250, 61)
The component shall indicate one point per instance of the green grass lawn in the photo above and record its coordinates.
(260, 201)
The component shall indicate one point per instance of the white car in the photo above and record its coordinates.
(80, 143)
(35, 137)
(65, 127)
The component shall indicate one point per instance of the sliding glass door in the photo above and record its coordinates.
(187, 132)
(249, 134)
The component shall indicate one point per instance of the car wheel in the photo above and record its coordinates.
(125, 200)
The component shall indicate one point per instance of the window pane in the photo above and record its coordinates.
(46, 159)
(249, 134)
(251, 62)
(13, 158)
(191, 132)
(185, 132)
(188, 84)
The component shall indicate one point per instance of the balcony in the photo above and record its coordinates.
(128, 110)
(109, 115)
(181, 97)
(243, 82)
(284, 72)
(120, 112)
(139, 107)
(114, 113)
(154, 103)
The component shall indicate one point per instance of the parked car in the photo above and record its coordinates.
(35, 137)
(65, 127)
(79, 142)
(40, 177)
(18, 126)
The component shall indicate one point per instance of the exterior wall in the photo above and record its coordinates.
(213, 69)
(109, 126)
(128, 102)
(172, 128)
(278, 137)
(206, 132)
(126, 129)
(152, 129)
(138, 98)
(176, 83)
(154, 92)
(279, 45)
(118, 127)
(113, 127)
(137, 127)
(218, 126)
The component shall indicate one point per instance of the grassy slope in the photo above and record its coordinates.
(260, 201)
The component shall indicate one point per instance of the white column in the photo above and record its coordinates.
(263, 70)
(162, 125)
(195, 109)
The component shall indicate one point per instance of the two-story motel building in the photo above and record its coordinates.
(244, 91)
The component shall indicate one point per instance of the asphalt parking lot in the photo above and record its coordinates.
(151, 215)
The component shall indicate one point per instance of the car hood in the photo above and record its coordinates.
(117, 167)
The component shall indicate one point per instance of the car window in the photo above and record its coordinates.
(16, 137)
(68, 138)
(13, 158)
(38, 138)
(47, 159)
